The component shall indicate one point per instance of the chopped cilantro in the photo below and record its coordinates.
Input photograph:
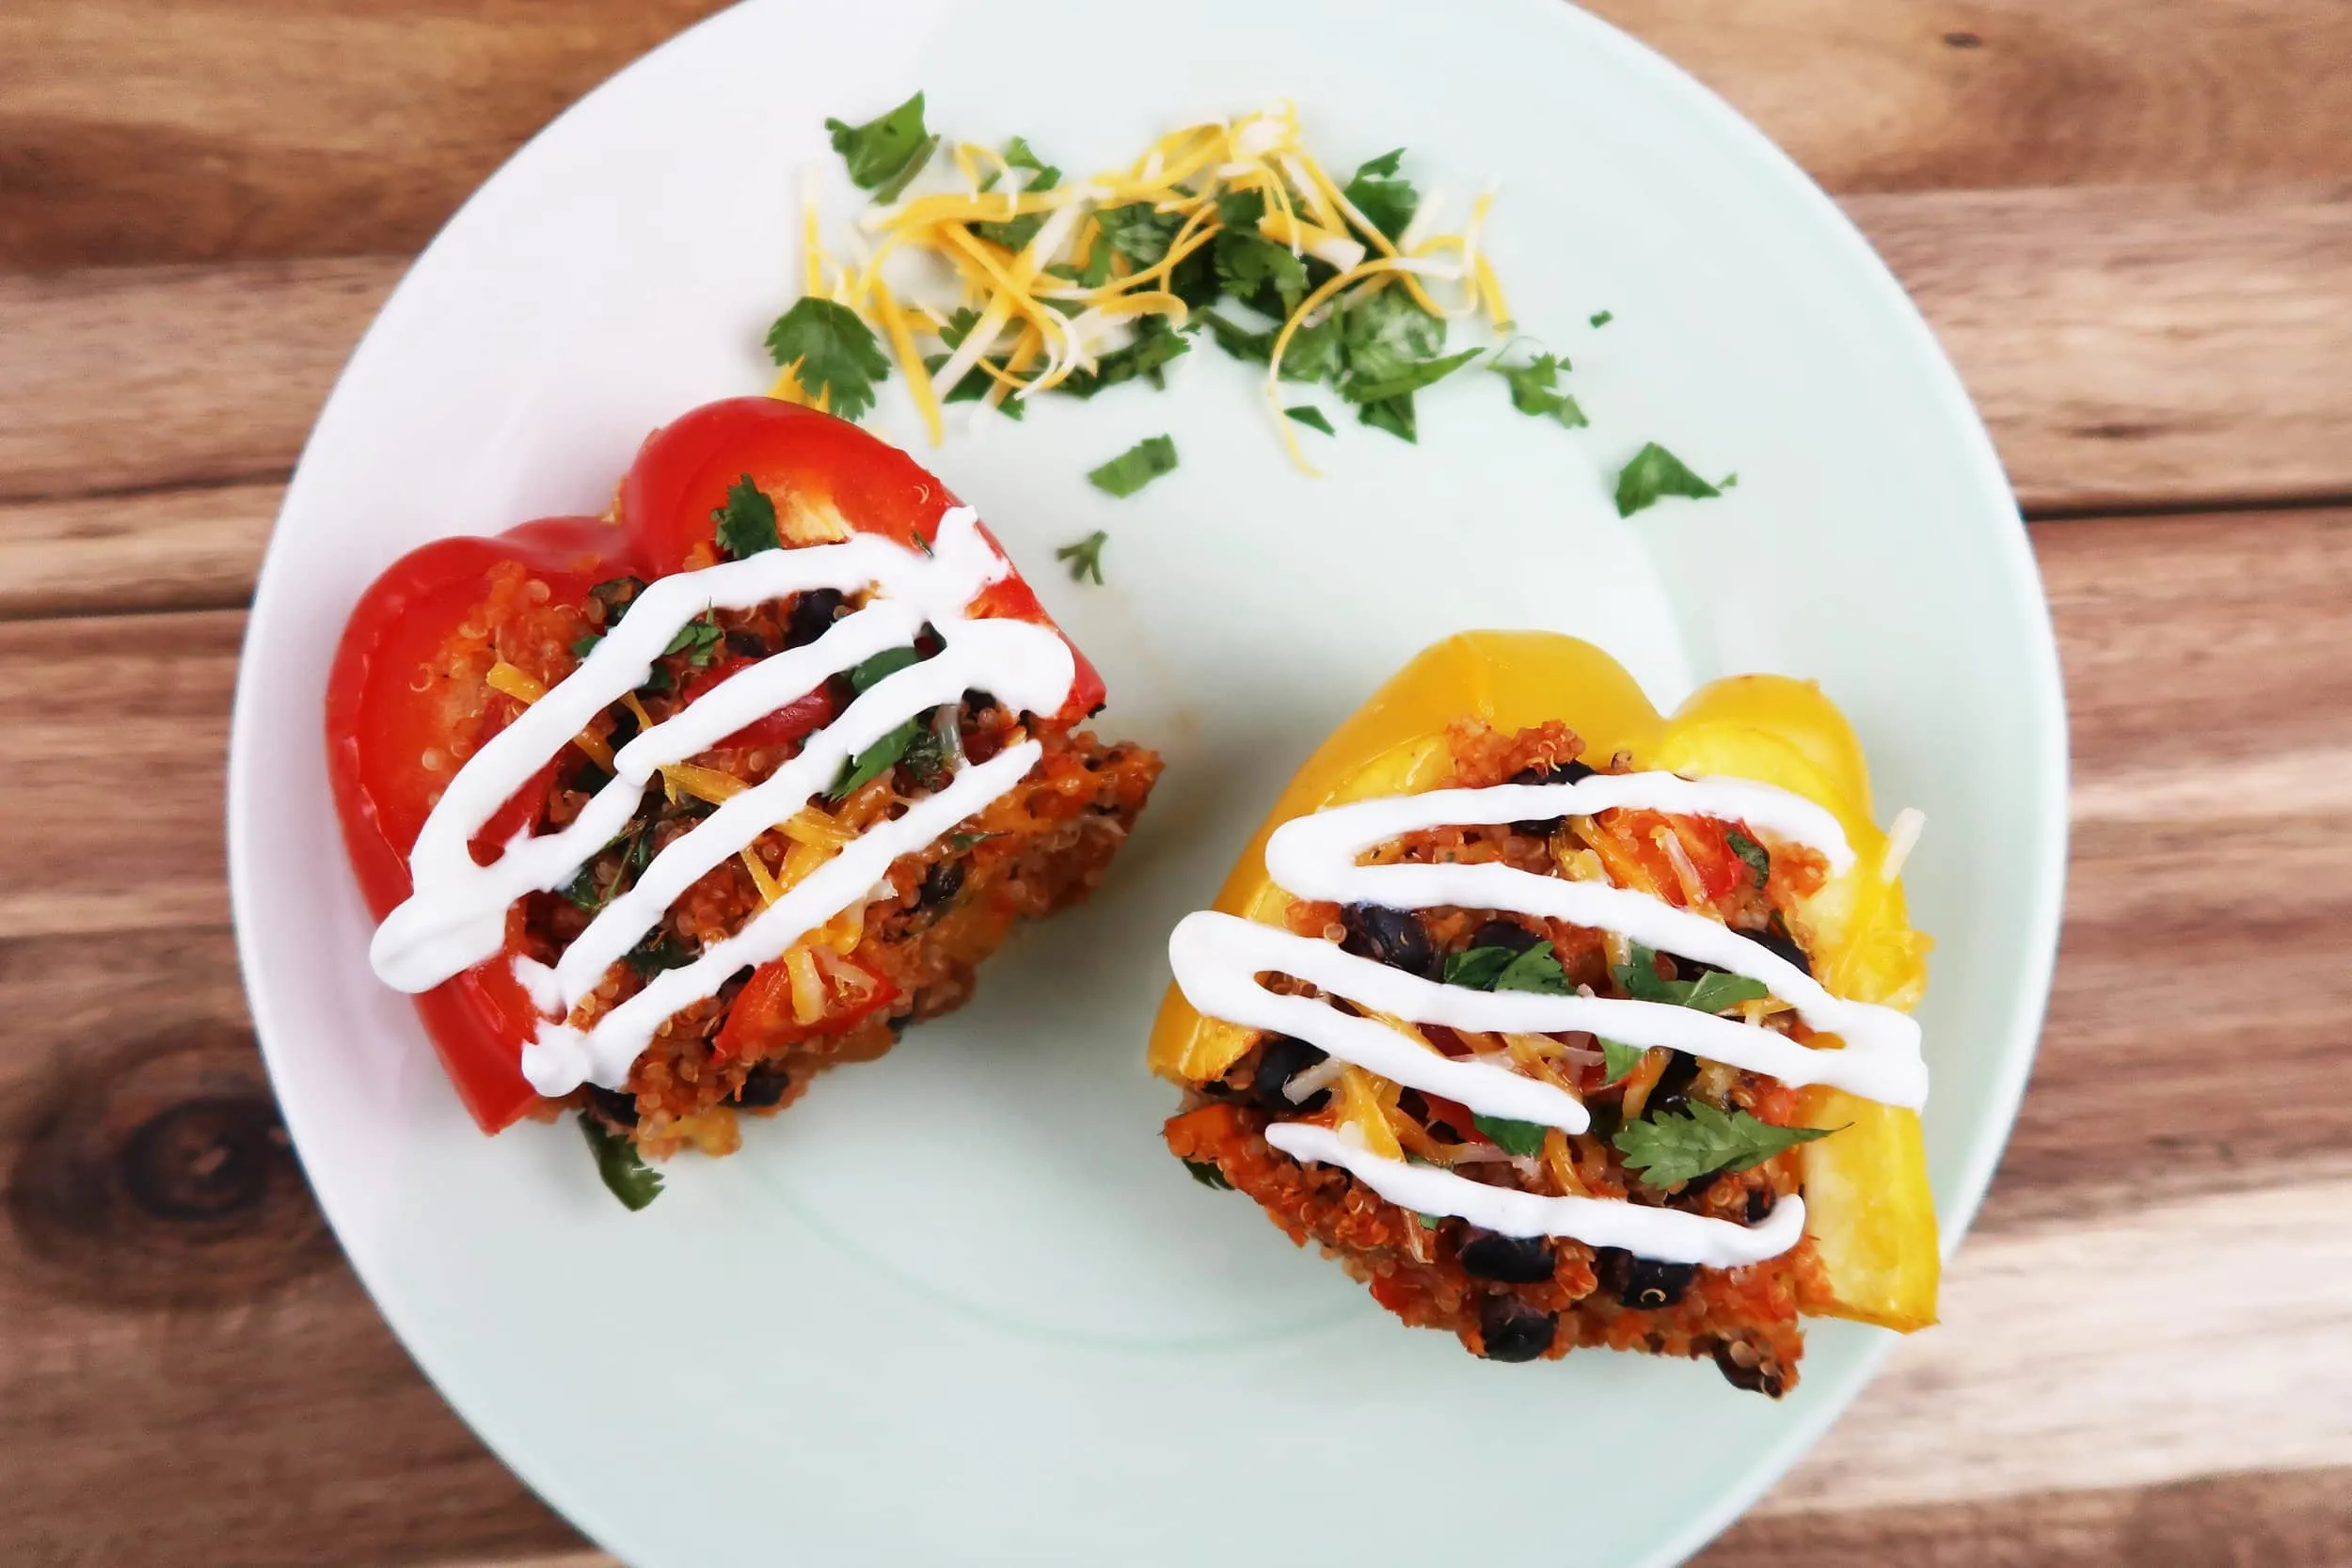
(1669, 1149)
(1512, 1137)
(617, 594)
(1208, 1174)
(1534, 390)
(876, 760)
(1015, 233)
(1654, 472)
(1396, 416)
(624, 1170)
(1260, 273)
(1757, 858)
(1619, 1058)
(657, 952)
(882, 150)
(1235, 338)
(1535, 969)
(1380, 195)
(1430, 1222)
(1602, 318)
(1138, 233)
(1311, 417)
(932, 750)
(1155, 344)
(965, 841)
(697, 639)
(1136, 467)
(831, 353)
(584, 646)
(892, 189)
(1085, 558)
(1714, 991)
(1383, 336)
(1406, 381)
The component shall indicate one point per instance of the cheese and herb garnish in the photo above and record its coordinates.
(1231, 228)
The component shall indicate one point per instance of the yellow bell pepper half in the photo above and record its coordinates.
(1867, 1205)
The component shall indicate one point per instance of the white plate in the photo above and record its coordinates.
(1076, 1354)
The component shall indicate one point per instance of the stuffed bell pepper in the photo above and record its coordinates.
(1561, 1022)
(661, 816)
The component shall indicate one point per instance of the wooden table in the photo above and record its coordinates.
(2132, 224)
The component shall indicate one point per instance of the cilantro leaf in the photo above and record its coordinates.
(832, 352)
(932, 750)
(880, 150)
(1654, 473)
(1019, 154)
(625, 1172)
(1138, 233)
(868, 672)
(1015, 233)
(1534, 390)
(1136, 467)
(1311, 417)
(1477, 968)
(1757, 858)
(1395, 416)
(657, 953)
(584, 646)
(1260, 273)
(1235, 338)
(893, 187)
(1085, 558)
(747, 524)
(1536, 970)
(1714, 991)
(1669, 1149)
(1208, 1174)
(876, 760)
(1430, 1222)
(1512, 1137)
(1315, 353)
(1383, 333)
(1381, 195)
(1620, 1059)
(1155, 344)
(1405, 382)
(1602, 318)
(697, 639)
(965, 841)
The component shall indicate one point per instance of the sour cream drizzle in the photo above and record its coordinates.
(1216, 958)
(456, 917)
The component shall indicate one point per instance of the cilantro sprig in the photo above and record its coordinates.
(887, 151)
(1714, 991)
(746, 525)
(831, 353)
(1670, 1149)
(1382, 194)
(1536, 969)
(624, 1170)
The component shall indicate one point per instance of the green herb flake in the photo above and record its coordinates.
(1085, 558)
(1015, 233)
(885, 149)
(657, 953)
(832, 352)
(1757, 857)
(876, 760)
(893, 187)
(626, 1174)
(583, 647)
(1512, 1137)
(1260, 273)
(697, 639)
(1602, 318)
(1656, 473)
(960, 841)
(1535, 390)
(1208, 1174)
(1143, 358)
(1138, 233)
(1477, 968)
(1536, 970)
(1670, 1149)
(1384, 197)
(1619, 1058)
(1406, 381)
(1136, 467)
(1430, 1222)
(1711, 992)
(870, 672)
(747, 524)
(1311, 417)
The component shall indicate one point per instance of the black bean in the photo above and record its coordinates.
(1513, 1259)
(744, 642)
(1280, 1060)
(941, 884)
(1393, 937)
(1511, 1330)
(1760, 1202)
(1507, 934)
(1643, 1283)
(1671, 1093)
(811, 612)
(765, 1085)
(1567, 772)
(617, 1107)
(1775, 939)
(1763, 1377)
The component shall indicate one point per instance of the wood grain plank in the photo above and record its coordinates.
(150, 377)
(195, 548)
(2126, 348)
(2292, 1519)
(144, 131)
